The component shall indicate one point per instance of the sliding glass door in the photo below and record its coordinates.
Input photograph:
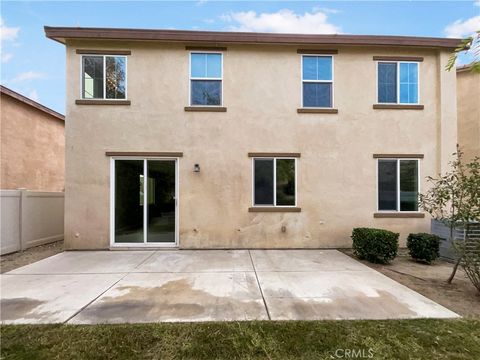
(144, 202)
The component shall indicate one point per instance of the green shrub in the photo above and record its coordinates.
(375, 245)
(424, 247)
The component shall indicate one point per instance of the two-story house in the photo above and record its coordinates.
(196, 139)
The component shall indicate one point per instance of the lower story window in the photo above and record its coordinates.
(398, 184)
(274, 182)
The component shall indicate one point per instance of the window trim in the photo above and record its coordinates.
(190, 78)
(317, 81)
(397, 159)
(104, 56)
(274, 158)
(398, 62)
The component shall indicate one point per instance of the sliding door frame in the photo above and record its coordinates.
(143, 244)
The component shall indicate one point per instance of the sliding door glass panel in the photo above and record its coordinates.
(129, 201)
(387, 185)
(408, 185)
(263, 192)
(161, 201)
(286, 182)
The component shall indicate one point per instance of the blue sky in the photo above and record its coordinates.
(35, 66)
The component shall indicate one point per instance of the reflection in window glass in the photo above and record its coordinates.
(408, 185)
(317, 94)
(93, 77)
(206, 92)
(263, 173)
(285, 182)
(393, 173)
(206, 79)
(398, 82)
(317, 84)
(274, 182)
(387, 82)
(387, 185)
(115, 77)
(129, 201)
(408, 83)
(96, 79)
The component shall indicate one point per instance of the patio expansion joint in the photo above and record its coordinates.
(259, 286)
(111, 286)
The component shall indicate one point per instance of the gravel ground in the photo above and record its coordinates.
(431, 281)
(22, 258)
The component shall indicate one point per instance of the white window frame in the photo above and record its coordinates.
(204, 78)
(398, 184)
(104, 77)
(144, 244)
(398, 81)
(317, 81)
(274, 158)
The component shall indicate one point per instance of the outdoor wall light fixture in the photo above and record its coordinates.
(196, 168)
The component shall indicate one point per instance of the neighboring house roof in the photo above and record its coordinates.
(463, 68)
(61, 34)
(6, 91)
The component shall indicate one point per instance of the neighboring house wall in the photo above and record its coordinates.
(32, 145)
(468, 102)
(336, 173)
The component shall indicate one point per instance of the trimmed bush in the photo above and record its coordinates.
(423, 247)
(375, 245)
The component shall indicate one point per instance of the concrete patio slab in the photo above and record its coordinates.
(197, 261)
(40, 299)
(87, 262)
(188, 285)
(362, 293)
(154, 297)
(304, 260)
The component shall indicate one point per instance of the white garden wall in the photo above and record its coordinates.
(30, 218)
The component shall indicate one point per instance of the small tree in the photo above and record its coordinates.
(454, 199)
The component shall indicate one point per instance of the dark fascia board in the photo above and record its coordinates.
(6, 91)
(61, 34)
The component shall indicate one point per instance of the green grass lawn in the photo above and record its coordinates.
(391, 339)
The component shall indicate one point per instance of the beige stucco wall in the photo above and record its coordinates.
(336, 172)
(32, 148)
(468, 95)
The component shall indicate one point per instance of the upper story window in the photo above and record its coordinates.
(104, 77)
(274, 182)
(206, 79)
(398, 184)
(317, 81)
(398, 82)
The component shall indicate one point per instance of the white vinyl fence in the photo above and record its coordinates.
(30, 218)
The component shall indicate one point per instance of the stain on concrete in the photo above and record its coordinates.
(339, 303)
(19, 308)
(175, 300)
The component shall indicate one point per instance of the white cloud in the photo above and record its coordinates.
(27, 75)
(282, 21)
(6, 57)
(328, 10)
(8, 33)
(33, 95)
(461, 29)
